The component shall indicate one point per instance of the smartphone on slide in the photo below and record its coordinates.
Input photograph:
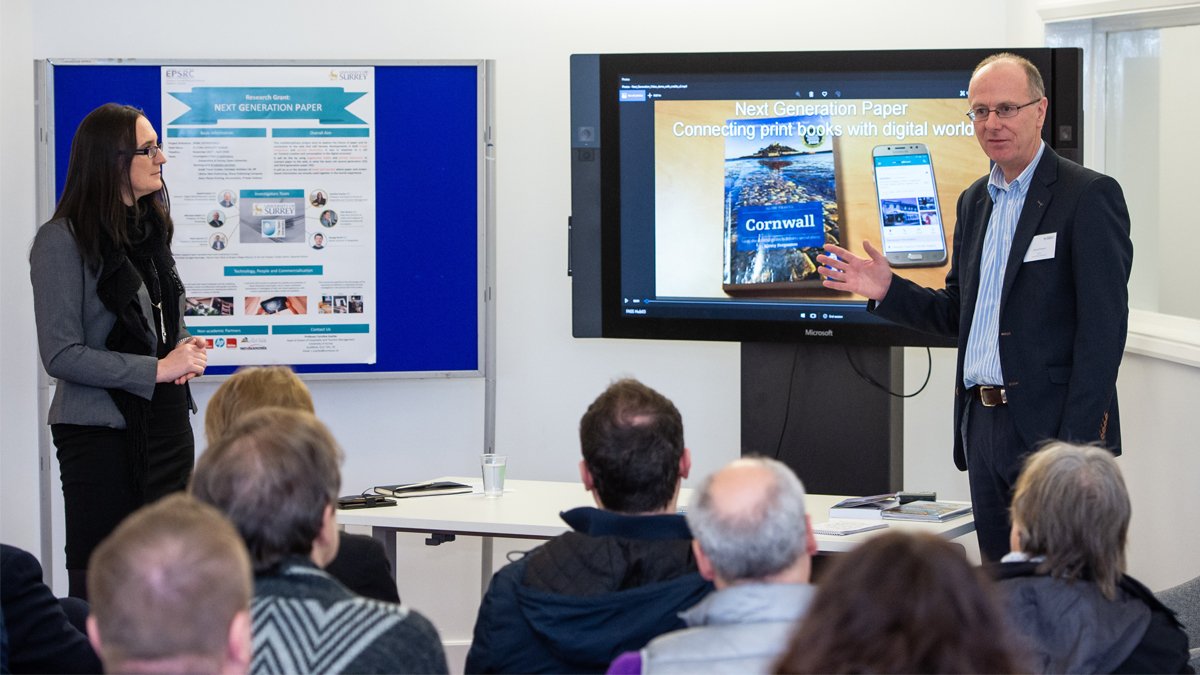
(910, 219)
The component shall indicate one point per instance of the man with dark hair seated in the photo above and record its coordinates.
(623, 573)
(1064, 581)
(276, 475)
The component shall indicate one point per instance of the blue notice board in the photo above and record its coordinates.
(430, 143)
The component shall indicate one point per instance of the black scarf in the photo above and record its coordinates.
(123, 272)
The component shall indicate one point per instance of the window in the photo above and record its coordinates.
(1140, 96)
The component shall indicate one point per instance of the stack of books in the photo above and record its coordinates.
(889, 506)
(864, 508)
(933, 512)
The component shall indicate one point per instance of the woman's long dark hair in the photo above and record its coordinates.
(98, 179)
(903, 603)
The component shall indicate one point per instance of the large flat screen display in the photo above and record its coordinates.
(704, 185)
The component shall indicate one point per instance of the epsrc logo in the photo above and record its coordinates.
(180, 73)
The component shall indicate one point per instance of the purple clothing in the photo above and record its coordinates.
(629, 663)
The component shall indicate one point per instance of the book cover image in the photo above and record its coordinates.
(781, 204)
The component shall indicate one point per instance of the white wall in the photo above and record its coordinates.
(19, 524)
(545, 378)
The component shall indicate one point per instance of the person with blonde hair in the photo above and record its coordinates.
(1064, 581)
(361, 563)
(902, 603)
(170, 591)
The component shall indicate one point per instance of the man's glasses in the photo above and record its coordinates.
(1004, 110)
(153, 150)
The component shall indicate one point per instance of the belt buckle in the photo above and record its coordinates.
(991, 396)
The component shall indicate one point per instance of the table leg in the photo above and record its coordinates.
(387, 537)
(486, 567)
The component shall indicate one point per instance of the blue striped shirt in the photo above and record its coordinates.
(981, 364)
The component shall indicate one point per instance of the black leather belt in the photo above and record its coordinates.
(989, 395)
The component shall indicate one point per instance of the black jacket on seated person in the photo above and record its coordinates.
(41, 638)
(1070, 627)
(362, 566)
(575, 603)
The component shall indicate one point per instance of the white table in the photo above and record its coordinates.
(529, 510)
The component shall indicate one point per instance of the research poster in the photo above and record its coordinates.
(272, 180)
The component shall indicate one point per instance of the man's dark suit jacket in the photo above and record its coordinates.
(41, 637)
(1062, 320)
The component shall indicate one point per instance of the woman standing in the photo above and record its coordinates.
(108, 304)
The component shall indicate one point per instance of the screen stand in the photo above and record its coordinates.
(804, 405)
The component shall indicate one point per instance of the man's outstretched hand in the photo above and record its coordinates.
(869, 277)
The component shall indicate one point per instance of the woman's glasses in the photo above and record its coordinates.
(150, 151)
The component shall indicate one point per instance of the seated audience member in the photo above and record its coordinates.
(902, 603)
(754, 542)
(1064, 582)
(44, 634)
(275, 473)
(623, 573)
(170, 591)
(361, 563)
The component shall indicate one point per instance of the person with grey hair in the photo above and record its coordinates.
(1064, 582)
(276, 474)
(754, 541)
(1036, 296)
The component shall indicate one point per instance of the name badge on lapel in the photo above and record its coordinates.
(1041, 248)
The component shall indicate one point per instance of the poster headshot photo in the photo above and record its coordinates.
(317, 198)
(329, 217)
(318, 241)
(227, 198)
(216, 219)
(217, 242)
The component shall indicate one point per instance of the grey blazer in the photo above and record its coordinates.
(72, 326)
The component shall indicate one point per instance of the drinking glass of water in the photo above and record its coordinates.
(493, 466)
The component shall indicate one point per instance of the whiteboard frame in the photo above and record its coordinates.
(46, 197)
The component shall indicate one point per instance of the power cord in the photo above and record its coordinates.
(871, 381)
(787, 410)
(787, 406)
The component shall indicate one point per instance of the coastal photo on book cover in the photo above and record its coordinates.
(780, 201)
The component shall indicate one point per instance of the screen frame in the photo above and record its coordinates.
(595, 246)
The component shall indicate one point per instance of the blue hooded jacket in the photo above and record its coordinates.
(578, 601)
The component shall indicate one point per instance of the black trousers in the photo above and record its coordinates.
(995, 454)
(98, 490)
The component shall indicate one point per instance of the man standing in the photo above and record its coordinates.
(624, 572)
(1036, 295)
(754, 541)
